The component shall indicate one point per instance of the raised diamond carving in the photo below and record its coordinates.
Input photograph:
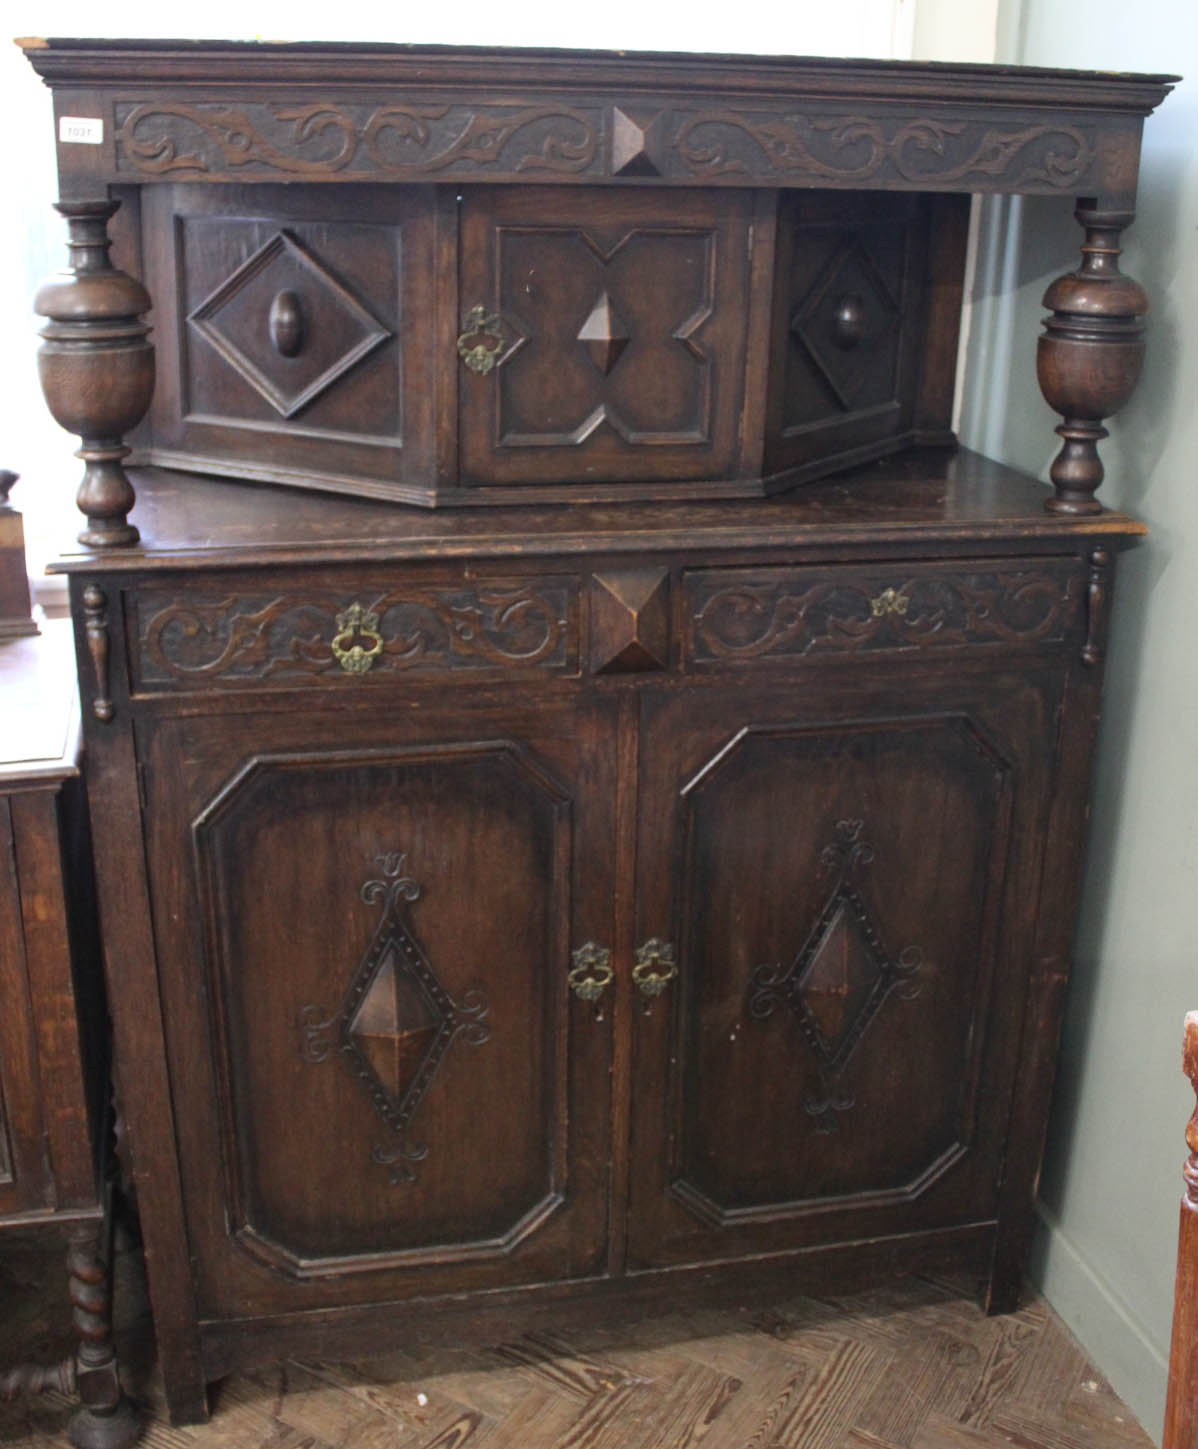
(603, 334)
(329, 328)
(630, 620)
(396, 1022)
(636, 142)
(848, 314)
(841, 976)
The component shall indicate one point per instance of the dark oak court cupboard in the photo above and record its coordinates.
(589, 781)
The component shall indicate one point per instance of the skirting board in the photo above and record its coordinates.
(1102, 1323)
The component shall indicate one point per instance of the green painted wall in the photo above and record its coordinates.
(1105, 1255)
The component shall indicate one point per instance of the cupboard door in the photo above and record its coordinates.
(295, 334)
(847, 879)
(619, 322)
(368, 922)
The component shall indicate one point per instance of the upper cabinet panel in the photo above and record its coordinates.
(604, 335)
(292, 341)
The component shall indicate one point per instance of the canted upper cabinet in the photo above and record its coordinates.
(469, 276)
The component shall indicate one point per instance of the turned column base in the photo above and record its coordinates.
(1077, 471)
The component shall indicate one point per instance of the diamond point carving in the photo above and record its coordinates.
(603, 334)
(635, 142)
(630, 621)
(837, 983)
(396, 1022)
(240, 320)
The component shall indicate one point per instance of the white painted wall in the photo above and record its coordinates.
(1105, 1255)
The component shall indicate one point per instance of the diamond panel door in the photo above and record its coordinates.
(605, 335)
(293, 341)
(842, 883)
(371, 926)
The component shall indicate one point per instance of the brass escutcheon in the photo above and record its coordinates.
(889, 601)
(656, 966)
(481, 355)
(357, 623)
(591, 972)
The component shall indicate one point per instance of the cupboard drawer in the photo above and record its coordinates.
(362, 628)
(738, 615)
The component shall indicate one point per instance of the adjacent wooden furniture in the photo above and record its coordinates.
(663, 883)
(1181, 1406)
(16, 618)
(53, 1025)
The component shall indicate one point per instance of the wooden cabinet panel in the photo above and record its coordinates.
(398, 1084)
(294, 336)
(623, 321)
(852, 351)
(830, 1061)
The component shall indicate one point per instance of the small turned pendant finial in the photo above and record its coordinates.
(1089, 357)
(96, 367)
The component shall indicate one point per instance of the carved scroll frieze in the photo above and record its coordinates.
(318, 140)
(396, 1022)
(858, 150)
(527, 137)
(777, 612)
(842, 975)
(289, 636)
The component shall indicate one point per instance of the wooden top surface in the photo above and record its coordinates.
(74, 59)
(922, 501)
(39, 708)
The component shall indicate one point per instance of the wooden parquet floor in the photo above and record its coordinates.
(912, 1365)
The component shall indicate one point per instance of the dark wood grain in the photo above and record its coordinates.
(1181, 1401)
(54, 1052)
(644, 878)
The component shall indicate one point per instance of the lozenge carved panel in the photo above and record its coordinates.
(621, 324)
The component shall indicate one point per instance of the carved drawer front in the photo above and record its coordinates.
(738, 615)
(362, 631)
(604, 335)
(293, 334)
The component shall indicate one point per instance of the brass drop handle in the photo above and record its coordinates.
(590, 971)
(481, 344)
(357, 642)
(656, 966)
(889, 601)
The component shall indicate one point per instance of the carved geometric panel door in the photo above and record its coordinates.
(293, 335)
(396, 1072)
(833, 877)
(612, 344)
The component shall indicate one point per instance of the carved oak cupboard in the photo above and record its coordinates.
(656, 883)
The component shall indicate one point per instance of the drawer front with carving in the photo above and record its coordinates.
(366, 629)
(739, 615)
(294, 337)
(607, 336)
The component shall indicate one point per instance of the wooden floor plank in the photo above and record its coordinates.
(912, 1365)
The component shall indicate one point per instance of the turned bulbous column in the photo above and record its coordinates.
(96, 367)
(1089, 357)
